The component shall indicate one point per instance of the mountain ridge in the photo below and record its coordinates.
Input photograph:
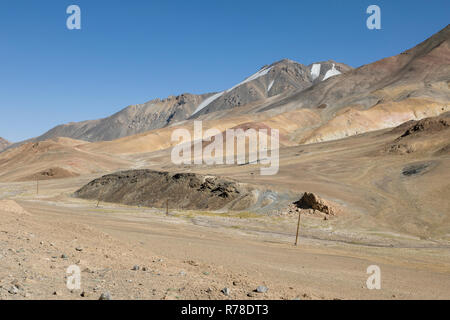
(330, 88)
(4, 144)
(159, 113)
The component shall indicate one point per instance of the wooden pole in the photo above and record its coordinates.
(167, 207)
(298, 228)
(99, 197)
(37, 186)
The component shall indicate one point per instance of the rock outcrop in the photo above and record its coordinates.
(181, 190)
(427, 134)
(314, 202)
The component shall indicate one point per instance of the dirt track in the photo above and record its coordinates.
(185, 260)
(396, 221)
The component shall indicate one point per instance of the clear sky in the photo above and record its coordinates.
(129, 52)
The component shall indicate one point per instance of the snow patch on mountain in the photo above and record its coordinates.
(257, 75)
(208, 101)
(331, 73)
(315, 71)
(270, 85)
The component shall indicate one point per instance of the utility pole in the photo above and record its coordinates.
(167, 207)
(37, 186)
(298, 228)
(99, 197)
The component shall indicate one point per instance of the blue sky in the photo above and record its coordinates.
(129, 52)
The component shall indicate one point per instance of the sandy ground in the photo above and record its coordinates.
(395, 221)
(189, 256)
(390, 215)
(356, 173)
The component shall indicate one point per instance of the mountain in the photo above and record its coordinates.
(391, 181)
(342, 101)
(409, 86)
(4, 144)
(422, 71)
(131, 120)
(52, 159)
(412, 85)
(281, 77)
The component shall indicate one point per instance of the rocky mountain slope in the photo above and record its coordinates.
(52, 159)
(409, 86)
(342, 101)
(284, 76)
(3, 144)
(131, 120)
(281, 77)
(422, 71)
